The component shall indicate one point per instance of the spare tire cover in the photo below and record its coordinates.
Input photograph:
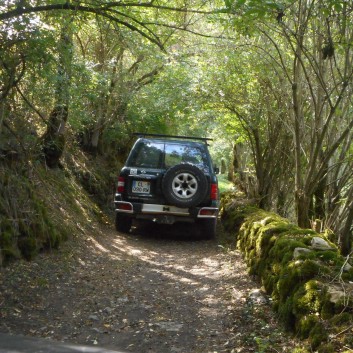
(184, 185)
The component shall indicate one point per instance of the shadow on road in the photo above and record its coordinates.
(177, 231)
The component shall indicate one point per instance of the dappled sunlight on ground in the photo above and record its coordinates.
(156, 290)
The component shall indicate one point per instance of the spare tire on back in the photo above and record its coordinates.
(184, 185)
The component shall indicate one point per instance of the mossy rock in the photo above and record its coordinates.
(285, 313)
(305, 325)
(282, 251)
(328, 309)
(269, 281)
(287, 283)
(312, 298)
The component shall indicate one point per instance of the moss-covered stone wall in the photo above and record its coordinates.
(310, 284)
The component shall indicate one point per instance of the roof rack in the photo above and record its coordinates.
(142, 134)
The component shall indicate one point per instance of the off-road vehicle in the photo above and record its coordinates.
(168, 179)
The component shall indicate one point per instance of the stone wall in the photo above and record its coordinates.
(310, 283)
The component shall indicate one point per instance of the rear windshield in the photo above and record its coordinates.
(159, 155)
(147, 155)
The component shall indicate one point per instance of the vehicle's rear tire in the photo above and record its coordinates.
(184, 185)
(208, 228)
(123, 223)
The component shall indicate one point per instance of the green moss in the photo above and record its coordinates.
(328, 309)
(287, 283)
(328, 256)
(30, 228)
(305, 325)
(269, 282)
(342, 318)
(28, 247)
(309, 269)
(318, 336)
(282, 251)
(307, 239)
(348, 276)
(327, 348)
(308, 299)
(285, 313)
(264, 243)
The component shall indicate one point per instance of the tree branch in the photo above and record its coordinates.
(71, 7)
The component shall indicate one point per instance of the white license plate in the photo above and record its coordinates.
(141, 187)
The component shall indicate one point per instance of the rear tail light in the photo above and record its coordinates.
(214, 192)
(121, 185)
(207, 212)
(124, 206)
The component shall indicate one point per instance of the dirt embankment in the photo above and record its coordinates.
(156, 290)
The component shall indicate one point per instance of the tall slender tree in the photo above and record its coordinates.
(54, 137)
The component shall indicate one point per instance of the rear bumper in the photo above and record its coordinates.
(156, 211)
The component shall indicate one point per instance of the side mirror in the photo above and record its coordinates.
(216, 169)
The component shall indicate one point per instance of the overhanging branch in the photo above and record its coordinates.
(71, 7)
(109, 11)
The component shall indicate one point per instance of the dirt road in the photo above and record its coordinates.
(154, 291)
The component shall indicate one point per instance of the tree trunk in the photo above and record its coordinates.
(223, 166)
(96, 133)
(280, 204)
(54, 137)
(95, 140)
(230, 172)
(3, 113)
(263, 189)
(302, 202)
(346, 235)
(319, 206)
